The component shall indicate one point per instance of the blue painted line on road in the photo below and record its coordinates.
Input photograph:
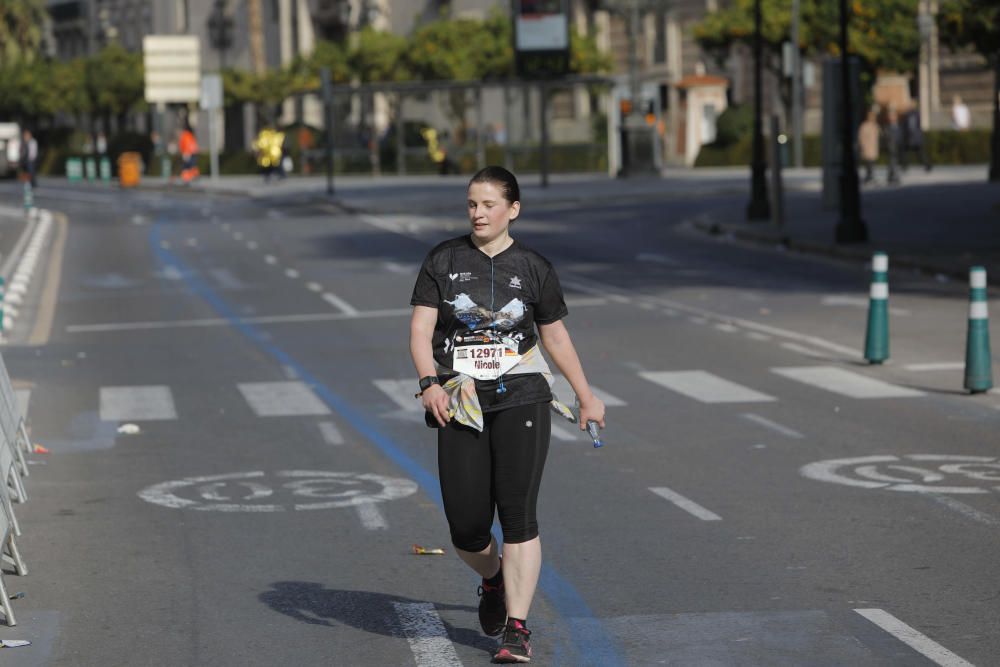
(593, 646)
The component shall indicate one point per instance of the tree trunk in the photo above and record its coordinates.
(256, 37)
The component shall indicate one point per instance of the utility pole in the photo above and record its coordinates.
(796, 85)
(851, 228)
(758, 208)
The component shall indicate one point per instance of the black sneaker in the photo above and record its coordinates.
(492, 608)
(515, 645)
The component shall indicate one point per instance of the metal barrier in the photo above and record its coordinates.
(14, 443)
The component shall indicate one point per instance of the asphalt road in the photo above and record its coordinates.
(764, 497)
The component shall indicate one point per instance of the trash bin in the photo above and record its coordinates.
(129, 168)
(105, 168)
(74, 169)
(90, 166)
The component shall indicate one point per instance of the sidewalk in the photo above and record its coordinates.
(13, 223)
(940, 222)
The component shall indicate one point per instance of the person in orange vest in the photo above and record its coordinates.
(188, 146)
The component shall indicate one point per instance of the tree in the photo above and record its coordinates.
(379, 56)
(976, 24)
(114, 82)
(21, 23)
(883, 33)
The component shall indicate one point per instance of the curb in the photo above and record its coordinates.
(861, 253)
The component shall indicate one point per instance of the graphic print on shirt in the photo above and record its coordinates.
(487, 349)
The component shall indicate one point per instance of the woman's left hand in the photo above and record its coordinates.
(591, 410)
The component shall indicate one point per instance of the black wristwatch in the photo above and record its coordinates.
(426, 382)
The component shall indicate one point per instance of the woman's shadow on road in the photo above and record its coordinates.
(311, 603)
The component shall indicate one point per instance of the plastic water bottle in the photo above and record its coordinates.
(595, 434)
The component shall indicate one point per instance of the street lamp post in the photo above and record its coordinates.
(851, 228)
(758, 208)
(995, 152)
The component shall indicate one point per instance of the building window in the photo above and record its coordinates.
(660, 38)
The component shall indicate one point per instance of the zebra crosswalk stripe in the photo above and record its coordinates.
(845, 383)
(137, 403)
(282, 399)
(705, 387)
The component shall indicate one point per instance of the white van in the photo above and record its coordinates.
(10, 148)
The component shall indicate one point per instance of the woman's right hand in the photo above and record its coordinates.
(435, 400)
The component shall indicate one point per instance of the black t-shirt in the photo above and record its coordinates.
(479, 296)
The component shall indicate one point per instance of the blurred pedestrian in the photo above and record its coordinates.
(893, 143)
(485, 384)
(269, 147)
(868, 138)
(961, 118)
(913, 140)
(188, 146)
(28, 159)
(101, 144)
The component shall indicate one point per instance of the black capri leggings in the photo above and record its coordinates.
(499, 468)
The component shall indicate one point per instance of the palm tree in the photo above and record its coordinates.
(21, 29)
(256, 37)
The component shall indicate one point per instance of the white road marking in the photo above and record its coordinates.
(331, 434)
(221, 322)
(562, 388)
(237, 236)
(171, 272)
(138, 403)
(426, 635)
(401, 392)
(845, 383)
(291, 273)
(758, 336)
(808, 351)
(405, 269)
(226, 279)
(564, 434)
(857, 302)
(270, 259)
(654, 258)
(231, 492)
(914, 639)
(282, 399)
(290, 372)
(314, 287)
(371, 516)
(726, 328)
(773, 425)
(251, 245)
(337, 302)
(686, 504)
(967, 511)
(705, 387)
(936, 366)
(697, 320)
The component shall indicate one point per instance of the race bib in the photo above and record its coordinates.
(485, 360)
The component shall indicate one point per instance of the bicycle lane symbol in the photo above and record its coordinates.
(915, 473)
(294, 490)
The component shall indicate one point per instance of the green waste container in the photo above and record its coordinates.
(90, 167)
(74, 169)
(105, 166)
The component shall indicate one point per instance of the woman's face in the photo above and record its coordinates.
(489, 213)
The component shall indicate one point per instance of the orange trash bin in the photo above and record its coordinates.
(129, 168)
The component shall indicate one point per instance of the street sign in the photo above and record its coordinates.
(211, 92)
(172, 66)
(541, 38)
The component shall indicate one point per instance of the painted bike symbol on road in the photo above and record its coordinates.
(279, 491)
(917, 473)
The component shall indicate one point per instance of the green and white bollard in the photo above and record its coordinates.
(978, 363)
(877, 332)
(29, 196)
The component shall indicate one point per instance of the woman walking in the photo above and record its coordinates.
(481, 304)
